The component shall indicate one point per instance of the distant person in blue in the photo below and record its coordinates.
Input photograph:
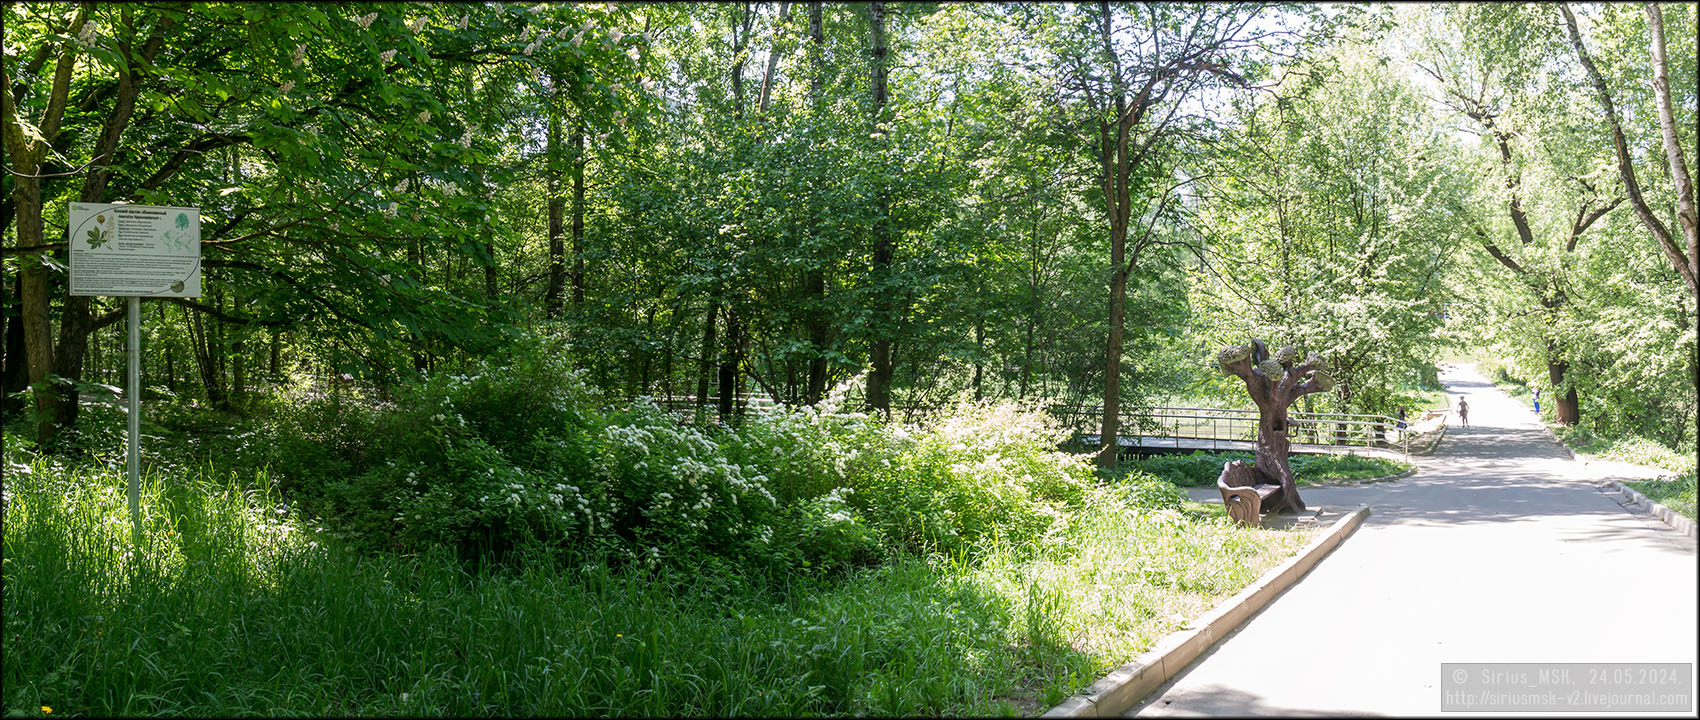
(1463, 412)
(1537, 401)
(1401, 418)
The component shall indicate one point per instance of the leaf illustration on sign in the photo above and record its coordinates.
(95, 238)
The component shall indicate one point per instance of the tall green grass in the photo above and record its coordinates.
(235, 606)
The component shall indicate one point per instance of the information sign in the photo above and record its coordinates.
(135, 250)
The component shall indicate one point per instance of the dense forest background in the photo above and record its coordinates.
(1047, 202)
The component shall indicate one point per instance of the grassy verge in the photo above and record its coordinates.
(236, 607)
(1200, 469)
(1676, 493)
(1582, 441)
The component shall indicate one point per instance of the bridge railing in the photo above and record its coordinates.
(1177, 423)
(1230, 425)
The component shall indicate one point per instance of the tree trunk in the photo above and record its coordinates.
(1625, 164)
(705, 365)
(32, 292)
(816, 43)
(1113, 139)
(578, 211)
(238, 373)
(979, 356)
(170, 360)
(879, 380)
(206, 359)
(557, 249)
(1683, 182)
(95, 360)
(16, 370)
(772, 59)
(1566, 408)
(416, 261)
(26, 155)
(1115, 174)
(814, 281)
(486, 235)
(75, 324)
(1271, 455)
(730, 361)
(1108, 445)
(274, 368)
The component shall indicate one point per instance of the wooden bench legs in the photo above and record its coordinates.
(1243, 495)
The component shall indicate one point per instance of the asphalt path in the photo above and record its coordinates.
(1500, 549)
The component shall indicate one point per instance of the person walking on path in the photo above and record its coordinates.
(1463, 412)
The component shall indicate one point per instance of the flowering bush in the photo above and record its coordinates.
(515, 453)
(672, 485)
(809, 451)
(985, 473)
(488, 460)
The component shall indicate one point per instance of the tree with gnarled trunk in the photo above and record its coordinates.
(1274, 382)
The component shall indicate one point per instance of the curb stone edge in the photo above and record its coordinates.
(1670, 517)
(1127, 685)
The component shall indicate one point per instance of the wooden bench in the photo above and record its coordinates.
(1243, 495)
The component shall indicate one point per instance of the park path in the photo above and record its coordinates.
(1500, 549)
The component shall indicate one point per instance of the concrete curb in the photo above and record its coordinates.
(1125, 686)
(1429, 450)
(1671, 517)
(1556, 440)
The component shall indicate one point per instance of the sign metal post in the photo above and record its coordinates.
(133, 251)
(133, 393)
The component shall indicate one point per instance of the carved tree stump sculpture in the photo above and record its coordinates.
(1273, 382)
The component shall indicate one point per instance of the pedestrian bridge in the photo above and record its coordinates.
(1151, 430)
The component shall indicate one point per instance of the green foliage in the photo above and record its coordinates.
(1308, 469)
(1331, 183)
(481, 462)
(1194, 469)
(985, 474)
(239, 605)
(1143, 489)
(516, 453)
(1201, 469)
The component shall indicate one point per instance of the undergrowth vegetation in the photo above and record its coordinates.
(520, 453)
(1200, 469)
(502, 540)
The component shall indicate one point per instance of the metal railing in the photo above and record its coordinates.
(1218, 425)
(1237, 425)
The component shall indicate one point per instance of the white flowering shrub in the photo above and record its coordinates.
(986, 473)
(829, 532)
(515, 453)
(672, 487)
(809, 451)
(488, 459)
